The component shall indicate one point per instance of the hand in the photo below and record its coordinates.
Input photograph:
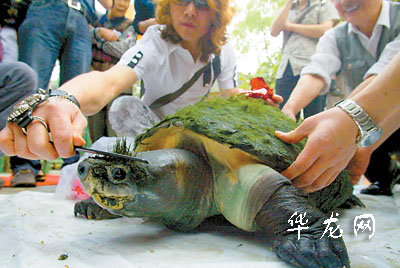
(66, 124)
(108, 34)
(330, 146)
(275, 100)
(359, 164)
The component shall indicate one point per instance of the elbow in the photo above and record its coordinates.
(274, 32)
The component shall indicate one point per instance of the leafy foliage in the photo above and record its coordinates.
(258, 16)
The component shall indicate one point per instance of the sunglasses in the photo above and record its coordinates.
(199, 4)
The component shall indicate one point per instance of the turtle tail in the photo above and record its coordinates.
(289, 208)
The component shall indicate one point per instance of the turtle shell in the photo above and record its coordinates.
(239, 122)
(236, 137)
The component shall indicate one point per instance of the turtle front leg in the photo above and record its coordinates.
(312, 249)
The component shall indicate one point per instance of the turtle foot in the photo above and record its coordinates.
(91, 210)
(301, 235)
(311, 251)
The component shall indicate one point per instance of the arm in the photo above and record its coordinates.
(309, 30)
(279, 23)
(335, 132)
(144, 12)
(308, 87)
(65, 121)
(117, 48)
(106, 3)
(96, 89)
(143, 25)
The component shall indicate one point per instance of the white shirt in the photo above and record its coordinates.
(165, 67)
(326, 61)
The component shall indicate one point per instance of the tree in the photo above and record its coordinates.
(254, 27)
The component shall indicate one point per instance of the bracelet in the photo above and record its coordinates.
(63, 95)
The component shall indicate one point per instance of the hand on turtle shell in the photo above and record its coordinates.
(65, 122)
(330, 146)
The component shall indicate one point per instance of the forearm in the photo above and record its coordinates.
(279, 22)
(380, 98)
(96, 89)
(307, 88)
(310, 30)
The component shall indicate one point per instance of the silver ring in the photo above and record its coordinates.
(41, 120)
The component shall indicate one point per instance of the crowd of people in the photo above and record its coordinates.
(184, 49)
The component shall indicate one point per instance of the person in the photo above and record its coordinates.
(17, 80)
(25, 171)
(12, 13)
(144, 15)
(359, 48)
(336, 132)
(192, 33)
(113, 29)
(108, 28)
(302, 22)
(54, 30)
(58, 30)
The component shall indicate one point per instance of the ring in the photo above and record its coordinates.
(41, 120)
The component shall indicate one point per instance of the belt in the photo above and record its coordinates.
(74, 4)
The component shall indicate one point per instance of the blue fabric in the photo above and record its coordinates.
(144, 9)
(284, 87)
(90, 9)
(110, 23)
(50, 31)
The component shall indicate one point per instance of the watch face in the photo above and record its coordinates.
(371, 138)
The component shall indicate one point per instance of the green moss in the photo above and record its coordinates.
(240, 122)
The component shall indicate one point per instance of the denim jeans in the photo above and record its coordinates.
(284, 87)
(52, 31)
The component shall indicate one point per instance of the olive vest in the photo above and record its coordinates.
(356, 60)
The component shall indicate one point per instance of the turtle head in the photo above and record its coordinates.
(168, 188)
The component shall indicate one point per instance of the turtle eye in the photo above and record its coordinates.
(118, 174)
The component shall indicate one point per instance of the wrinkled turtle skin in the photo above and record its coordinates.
(221, 156)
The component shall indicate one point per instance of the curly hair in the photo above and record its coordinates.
(221, 13)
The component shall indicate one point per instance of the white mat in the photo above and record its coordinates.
(36, 228)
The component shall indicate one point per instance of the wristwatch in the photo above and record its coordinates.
(22, 111)
(369, 131)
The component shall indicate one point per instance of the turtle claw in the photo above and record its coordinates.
(313, 248)
(91, 210)
(311, 251)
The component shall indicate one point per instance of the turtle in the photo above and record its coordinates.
(220, 157)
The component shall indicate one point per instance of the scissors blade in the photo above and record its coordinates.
(94, 151)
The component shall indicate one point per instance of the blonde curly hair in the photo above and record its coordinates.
(221, 13)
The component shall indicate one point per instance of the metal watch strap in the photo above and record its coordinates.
(363, 121)
(60, 94)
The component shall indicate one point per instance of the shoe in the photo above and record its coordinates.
(385, 187)
(24, 178)
(377, 188)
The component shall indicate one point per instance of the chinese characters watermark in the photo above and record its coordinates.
(364, 222)
(299, 221)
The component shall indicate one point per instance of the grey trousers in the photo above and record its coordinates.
(17, 80)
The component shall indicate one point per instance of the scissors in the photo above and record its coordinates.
(94, 151)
